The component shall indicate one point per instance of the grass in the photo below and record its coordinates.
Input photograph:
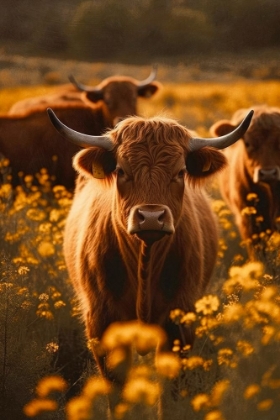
(46, 371)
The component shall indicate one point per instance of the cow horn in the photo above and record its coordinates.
(82, 140)
(150, 78)
(81, 87)
(222, 142)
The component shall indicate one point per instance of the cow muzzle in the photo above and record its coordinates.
(150, 222)
(266, 174)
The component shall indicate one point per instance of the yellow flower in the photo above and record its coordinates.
(200, 401)
(141, 391)
(52, 347)
(44, 297)
(265, 405)
(50, 384)
(36, 407)
(251, 196)
(176, 316)
(207, 305)
(46, 249)
(23, 270)
(193, 362)
(226, 357)
(251, 391)
(248, 211)
(218, 391)
(36, 215)
(168, 365)
(188, 318)
(96, 386)
(59, 304)
(214, 415)
(244, 347)
(78, 408)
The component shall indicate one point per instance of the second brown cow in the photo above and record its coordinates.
(251, 183)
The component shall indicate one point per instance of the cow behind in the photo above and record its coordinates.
(143, 240)
(31, 143)
(115, 97)
(251, 183)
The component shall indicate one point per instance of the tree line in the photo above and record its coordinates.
(138, 30)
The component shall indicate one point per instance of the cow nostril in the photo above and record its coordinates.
(161, 216)
(141, 216)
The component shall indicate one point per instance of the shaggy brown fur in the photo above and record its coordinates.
(118, 277)
(258, 153)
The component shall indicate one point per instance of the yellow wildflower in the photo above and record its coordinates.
(200, 401)
(50, 384)
(36, 214)
(248, 211)
(78, 408)
(245, 347)
(46, 249)
(36, 407)
(265, 405)
(207, 305)
(96, 386)
(140, 390)
(23, 270)
(251, 391)
(214, 415)
(168, 365)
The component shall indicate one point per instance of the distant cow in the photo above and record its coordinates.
(67, 93)
(116, 96)
(143, 240)
(251, 182)
(29, 141)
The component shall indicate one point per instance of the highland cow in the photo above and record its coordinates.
(141, 238)
(250, 184)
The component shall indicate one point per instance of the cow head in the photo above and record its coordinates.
(261, 142)
(151, 162)
(119, 94)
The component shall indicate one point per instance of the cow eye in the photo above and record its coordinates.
(120, 171)
(181, 173)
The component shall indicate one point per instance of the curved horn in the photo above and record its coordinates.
(150, 78)
(222, 142)
(82, 140)
(81, 87)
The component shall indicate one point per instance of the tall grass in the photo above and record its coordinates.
(46, 370)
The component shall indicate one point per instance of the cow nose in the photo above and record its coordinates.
(267, 174)
(150, 220)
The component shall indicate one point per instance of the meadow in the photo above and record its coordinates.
(46, 369)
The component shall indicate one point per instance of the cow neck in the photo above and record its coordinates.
(143, 302)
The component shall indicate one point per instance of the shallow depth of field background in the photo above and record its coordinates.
(233, 370)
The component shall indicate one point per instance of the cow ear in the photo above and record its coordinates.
(148, 90)
(94, 96)
(204, 162)
(94, 162)
(221, 128)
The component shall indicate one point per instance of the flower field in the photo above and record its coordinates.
(232, 372)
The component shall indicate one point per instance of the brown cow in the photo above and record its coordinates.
(142, 241)
(63, 95)
(30, 142)
(251, 183)
(116, 96)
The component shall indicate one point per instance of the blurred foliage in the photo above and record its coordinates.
(151, 29)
